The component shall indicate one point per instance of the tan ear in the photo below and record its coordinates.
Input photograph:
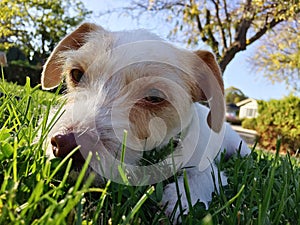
(211, 89)
(210, 60)
(52, 70)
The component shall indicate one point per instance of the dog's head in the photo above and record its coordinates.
(129, 81)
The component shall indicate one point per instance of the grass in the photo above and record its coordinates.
(263, 188)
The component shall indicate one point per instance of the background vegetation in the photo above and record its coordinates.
(30, 30)
(278, 119)
(37, 26)
(234, 95)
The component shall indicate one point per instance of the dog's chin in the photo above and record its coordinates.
(157, 159)
(98, 181)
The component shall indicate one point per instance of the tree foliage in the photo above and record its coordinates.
(234, 95)
(279, 119)
(227, 27)
(279, 55)
(37, 25)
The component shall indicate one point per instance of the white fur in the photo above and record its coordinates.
(119, 68)
(201, 181)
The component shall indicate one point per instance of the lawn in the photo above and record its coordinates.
(263, 188)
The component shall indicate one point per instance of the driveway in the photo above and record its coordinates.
(249, 136)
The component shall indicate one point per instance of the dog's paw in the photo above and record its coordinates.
(201, 186)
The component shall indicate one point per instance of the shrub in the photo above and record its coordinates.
(17, 71)
(280, 119)
(249, 123)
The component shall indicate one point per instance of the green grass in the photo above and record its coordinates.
(263, 188)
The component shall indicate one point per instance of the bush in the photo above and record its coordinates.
(280, 119)
(249, 123)
(17, 71)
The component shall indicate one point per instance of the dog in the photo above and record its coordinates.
(132, 87)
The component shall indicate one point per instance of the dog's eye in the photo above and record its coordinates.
(76, 75)
(155, 96)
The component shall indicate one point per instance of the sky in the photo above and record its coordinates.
(238, 73)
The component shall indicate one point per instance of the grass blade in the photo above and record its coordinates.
(138, 205)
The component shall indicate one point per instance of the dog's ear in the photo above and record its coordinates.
(211, 62)
(52, 70)
(211, 88)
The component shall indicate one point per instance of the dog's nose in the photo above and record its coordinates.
(63, 144)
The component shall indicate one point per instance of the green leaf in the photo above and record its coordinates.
(6, 150)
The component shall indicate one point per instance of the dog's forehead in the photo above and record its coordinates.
(116, 59)
(138, 52)
(125, 37)
(103, 41)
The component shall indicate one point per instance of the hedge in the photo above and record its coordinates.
(279, 119)
(17, 71)
(249, 123)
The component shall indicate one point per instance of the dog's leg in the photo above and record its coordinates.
(232, 142)
(201, 185)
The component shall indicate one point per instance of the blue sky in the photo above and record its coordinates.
(238, 73)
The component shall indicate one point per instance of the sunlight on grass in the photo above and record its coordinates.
(262, 188)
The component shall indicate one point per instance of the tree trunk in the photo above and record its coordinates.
(229, 55)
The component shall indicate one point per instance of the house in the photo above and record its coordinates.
(248, 108)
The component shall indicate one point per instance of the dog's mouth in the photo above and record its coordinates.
(64, 144)
(153, 165)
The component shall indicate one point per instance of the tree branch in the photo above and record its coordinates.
(200, 28)
(241, 32)
(158, 6)
(263, 30)
(229, 55)
(236, 46)
(223, 36)
(213, 43)
(228, 21)
(240, 42)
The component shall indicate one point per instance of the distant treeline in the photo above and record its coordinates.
(19, 67)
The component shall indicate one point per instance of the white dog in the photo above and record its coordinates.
(134, 81)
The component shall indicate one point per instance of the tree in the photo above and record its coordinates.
(234, 95)
(36, 25)
(227, 27)
(279, 56)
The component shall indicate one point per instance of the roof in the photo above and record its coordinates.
(244, 102)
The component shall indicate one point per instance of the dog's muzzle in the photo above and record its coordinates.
(63, 144)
